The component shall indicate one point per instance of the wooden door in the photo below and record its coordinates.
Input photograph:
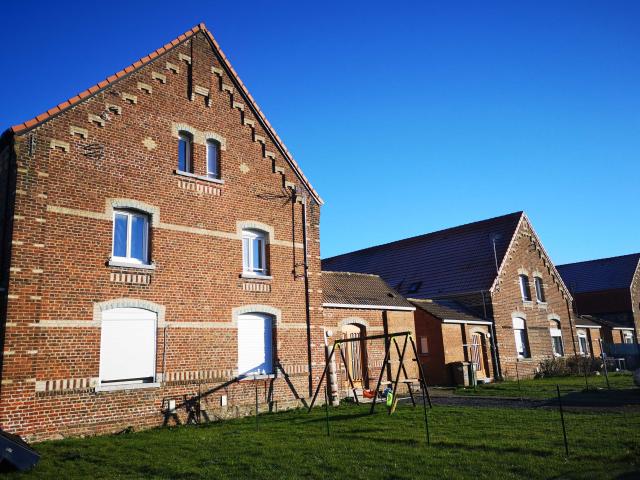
(478, 354)
(355, 356)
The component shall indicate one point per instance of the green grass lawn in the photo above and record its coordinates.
(544, 388)
(465, 443)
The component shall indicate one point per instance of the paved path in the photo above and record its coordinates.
(615, 400)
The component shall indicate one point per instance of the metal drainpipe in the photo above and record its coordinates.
(497, 370)
(306, 289)
(571, 327)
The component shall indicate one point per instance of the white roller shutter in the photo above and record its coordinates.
(128, 345)
(254, 345)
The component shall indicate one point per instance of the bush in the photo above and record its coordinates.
(565, 366)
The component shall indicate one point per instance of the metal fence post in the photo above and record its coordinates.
(518, 378)
(604, 364)
(326, 409)
(564, 429)
(257, 425)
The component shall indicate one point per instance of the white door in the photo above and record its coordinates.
(255, 352)
(127, 346)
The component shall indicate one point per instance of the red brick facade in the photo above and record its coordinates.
(118, 148)
(449, 343)
(527, 256)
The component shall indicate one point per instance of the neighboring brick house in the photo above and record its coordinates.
(448, 335)
(589, 338)
(497, 269)
(357, 305)
(608, 289)
(155, 232)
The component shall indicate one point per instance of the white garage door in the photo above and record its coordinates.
(255, 344)
(128, 346)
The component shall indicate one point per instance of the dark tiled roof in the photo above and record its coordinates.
(602, 274)
(445, 310)
(456, 260)
(346, 288)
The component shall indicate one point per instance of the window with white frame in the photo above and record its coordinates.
(627, 337)
(424, 344)
(525, 289)
(127, 346)
(130, 237)
(520, 334)
(254, 252)
(540, 296)
(556, 338)
(185, 152)
(255, 344)
(583, 343)
(213, 159)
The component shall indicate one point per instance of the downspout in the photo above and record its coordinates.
(572, 327)
(306, 289)
(494, 352)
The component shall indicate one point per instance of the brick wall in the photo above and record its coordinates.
(433, 361)
(118, 147)
(526, 256)
(635, 304)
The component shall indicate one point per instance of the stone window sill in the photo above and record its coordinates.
(254, 276)
(250, 378)
(142, 266)
(126, 386)
(199, 177)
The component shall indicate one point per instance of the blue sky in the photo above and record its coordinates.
(408, 117)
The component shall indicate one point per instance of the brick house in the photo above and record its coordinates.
(498, 270)
(589, 336)
(357, 305)
(608, 290)
(451, 337)
(160, 254)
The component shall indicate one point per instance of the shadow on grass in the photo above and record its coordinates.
(599, 398)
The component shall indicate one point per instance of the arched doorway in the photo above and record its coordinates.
(355, 356)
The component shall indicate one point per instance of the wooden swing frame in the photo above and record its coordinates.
(390, 337)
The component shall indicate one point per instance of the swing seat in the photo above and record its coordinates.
(368, 393)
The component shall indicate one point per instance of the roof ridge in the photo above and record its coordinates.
(600, 259)
(350, 273)
(61, 107)
(424, 235)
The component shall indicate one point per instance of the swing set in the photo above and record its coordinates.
(393, 383)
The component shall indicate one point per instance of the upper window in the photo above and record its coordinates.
(213, 159)
(127, 346)
(583, 344)
(130, 237)
(255, 344)
(424, 345)
(556, 338)
(627, 337)
(539, 290)
(185, 152)
(525, 289)
(253, 252)
(520, 333)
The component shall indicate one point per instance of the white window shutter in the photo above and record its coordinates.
(128, 345)
(254, 345)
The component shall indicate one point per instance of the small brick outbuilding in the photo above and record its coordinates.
(358, 305)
